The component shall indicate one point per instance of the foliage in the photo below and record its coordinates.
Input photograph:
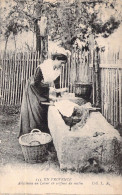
(67, 20)
(79, 19)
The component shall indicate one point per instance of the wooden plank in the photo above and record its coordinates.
(87, 69)
(13, 79)
(2, 92)
(66, 75)
(103, 73)
(105, 114)
(16, 79)
(5, 78)
(19, 80)
(107, 95)
(32, 67)
(25, 64)
(34, 62)
(83, 66)
(1, 78)
(30, 64)
(15, 68)
(6, 61)
(117, 120)
(101, 81)
(111, 96)
(11, 72)
(22, 59)
(80, 67)
(10, 77)
(68, 68)
(94, 78)
(103, 92)
(27, 67)
(62, 76)
(114, 114)
(20, 76)
(120, 96)
(115, 117)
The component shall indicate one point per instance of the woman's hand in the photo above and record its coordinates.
(61, 90)
(52, 89)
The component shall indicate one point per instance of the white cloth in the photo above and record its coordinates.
(48, 72)
(65, 107)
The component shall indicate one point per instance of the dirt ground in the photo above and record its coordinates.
(9, 144)
(12, 165)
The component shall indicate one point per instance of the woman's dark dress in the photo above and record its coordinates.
(33, 113)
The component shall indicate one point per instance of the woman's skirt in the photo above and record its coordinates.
(33, 113)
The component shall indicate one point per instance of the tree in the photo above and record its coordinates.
(67, 20)
(23, 15)
(79, 19)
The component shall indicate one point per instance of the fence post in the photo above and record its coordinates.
(96, 79)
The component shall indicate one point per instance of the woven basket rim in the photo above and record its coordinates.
(26, 144)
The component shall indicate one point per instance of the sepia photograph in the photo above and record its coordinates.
(61, 97)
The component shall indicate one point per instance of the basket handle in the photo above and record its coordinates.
(35, 131)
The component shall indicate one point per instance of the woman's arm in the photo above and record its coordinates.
(65, 89)
(57, 83)
(59, 90)
(57, 86)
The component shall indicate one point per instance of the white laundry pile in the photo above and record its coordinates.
(74, 115)
(65, 107)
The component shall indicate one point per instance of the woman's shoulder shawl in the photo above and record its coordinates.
(38, 76)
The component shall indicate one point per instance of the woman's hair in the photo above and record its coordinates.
(61, 57)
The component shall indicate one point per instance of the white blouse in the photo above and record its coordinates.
(48, 71)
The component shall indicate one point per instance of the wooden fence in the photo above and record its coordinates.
(111, 94)
(110, 73)
(76, 70)
(15, 69)
(111, 85)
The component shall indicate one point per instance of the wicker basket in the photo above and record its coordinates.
(34, 146)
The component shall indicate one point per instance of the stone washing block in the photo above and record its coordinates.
(96, 147)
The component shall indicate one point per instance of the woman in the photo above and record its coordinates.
(33, 112)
